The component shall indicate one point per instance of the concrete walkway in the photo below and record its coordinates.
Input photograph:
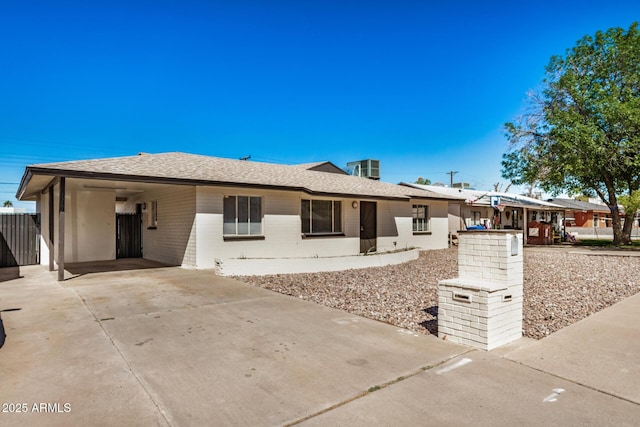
(168, 346)
(586, 374)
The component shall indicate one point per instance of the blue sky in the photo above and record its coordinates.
(423, 86)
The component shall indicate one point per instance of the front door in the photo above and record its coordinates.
(129, 234)
(368, 227)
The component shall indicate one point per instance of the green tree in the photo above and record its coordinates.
(581, 133)
(631, 204)
(423, 181)
(7, 204)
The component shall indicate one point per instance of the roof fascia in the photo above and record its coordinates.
(26, 177)
(31, 171)
(441, 199)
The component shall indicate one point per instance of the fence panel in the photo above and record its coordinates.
(19, 239)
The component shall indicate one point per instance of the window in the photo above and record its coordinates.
(242, 216)
(420, 218)
(152, 215)
(321, 216)
(475, 218)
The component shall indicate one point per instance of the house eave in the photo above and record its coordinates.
(26, 177)
(37, 171)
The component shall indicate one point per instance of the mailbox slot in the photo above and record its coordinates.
(462, 297)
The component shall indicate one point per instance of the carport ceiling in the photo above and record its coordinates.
(121, 188)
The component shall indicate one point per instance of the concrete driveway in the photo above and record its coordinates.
(168, 346)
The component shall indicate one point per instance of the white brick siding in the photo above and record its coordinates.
(482, 308)
(189, 229)
(172, 241)
(282, 228)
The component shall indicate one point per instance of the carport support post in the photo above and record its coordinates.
(61, 231)
(51, 237)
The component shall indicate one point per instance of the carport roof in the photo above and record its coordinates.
(482, 198)
(578, 205)
(192, 169)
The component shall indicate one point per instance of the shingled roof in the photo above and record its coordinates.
(192, 169)
(482, 198)
(578, 205)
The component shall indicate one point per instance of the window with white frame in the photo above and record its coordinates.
(475, 218)
(420, 218)
(242, 216)
(321, 216)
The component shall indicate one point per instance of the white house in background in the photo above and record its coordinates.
(207, 212)
(12, 210)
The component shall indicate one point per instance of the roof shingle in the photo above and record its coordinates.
(206, 170)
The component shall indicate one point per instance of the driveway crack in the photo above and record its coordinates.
(124, 359)
(375, 388)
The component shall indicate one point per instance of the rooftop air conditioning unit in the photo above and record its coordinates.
(365, 168)
(463, 185)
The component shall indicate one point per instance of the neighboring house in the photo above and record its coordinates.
(198, 211)
(496, 210)
(584, 214)
(12, 210)
(456, 212)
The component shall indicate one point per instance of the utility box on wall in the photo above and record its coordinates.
(482, 308)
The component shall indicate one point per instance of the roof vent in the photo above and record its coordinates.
(365, 168)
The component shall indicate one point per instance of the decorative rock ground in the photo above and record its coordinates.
(559, 288)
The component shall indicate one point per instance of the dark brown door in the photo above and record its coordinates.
(368, 226)
(129, 234)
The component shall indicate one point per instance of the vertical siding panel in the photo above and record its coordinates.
(3, 243)
(19, 235)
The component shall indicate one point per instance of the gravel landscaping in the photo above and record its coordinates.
(560, 288)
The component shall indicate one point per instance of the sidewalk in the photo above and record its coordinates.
(585, 374)
(601, 352)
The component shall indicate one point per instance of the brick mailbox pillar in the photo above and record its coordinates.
(482, 308)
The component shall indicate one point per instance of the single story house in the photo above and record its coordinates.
(496, 210)
(199, 211)
(584, 214)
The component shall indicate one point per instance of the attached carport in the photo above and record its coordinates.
(79, 214)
